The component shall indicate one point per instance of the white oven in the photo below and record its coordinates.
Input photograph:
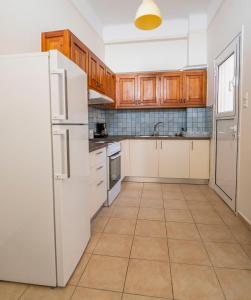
(114, 171)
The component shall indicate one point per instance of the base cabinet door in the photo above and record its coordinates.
(174, 159)
(199, 159)
(125, 158)
(143, 158)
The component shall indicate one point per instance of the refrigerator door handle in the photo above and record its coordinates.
(65, 174)
(64, 116)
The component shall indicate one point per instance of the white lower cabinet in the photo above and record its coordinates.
(144, 158)
(98, 180)
(174, 159)
(181, 159)
(199, 159)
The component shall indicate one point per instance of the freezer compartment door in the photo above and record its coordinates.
(69, 93)
(72, 212)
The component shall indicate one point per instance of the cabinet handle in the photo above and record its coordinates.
(99, 168)
(100, 182)
(161, 144)
(99, 153)
(156, 145)
(192, 145)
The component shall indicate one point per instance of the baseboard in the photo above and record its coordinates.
(166, 180)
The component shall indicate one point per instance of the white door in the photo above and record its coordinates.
(143, 158)
(226, 122)
(174, 159)
(72, 213)
(69, 92)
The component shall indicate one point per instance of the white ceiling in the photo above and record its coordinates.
(111, 12)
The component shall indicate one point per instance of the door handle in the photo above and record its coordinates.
(64, 116)
(64, 133)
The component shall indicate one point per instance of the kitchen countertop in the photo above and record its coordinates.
(95, 145)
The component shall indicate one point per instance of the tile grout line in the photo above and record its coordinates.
(205, 248)
(168, 248)
(140, 199)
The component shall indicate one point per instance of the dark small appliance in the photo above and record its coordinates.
(101, 130)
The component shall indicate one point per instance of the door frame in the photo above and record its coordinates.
(233, 46)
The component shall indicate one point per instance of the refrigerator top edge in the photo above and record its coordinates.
(23, 55)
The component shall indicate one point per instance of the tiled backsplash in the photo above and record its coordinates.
(141, 122)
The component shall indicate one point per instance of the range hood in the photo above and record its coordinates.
(98, 98)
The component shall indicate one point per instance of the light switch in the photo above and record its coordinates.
(245, 100)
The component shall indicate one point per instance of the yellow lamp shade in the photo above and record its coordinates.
(148, 16)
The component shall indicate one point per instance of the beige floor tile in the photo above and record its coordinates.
(199, 197)
(120, 226)
(206, 217)
(178, 215)
(215, 233)
(154, 203)
(182, 231)
(195, 283)
(128, 201)
(150, 228)
(11, 291)
(134, 194)
(125, 212)
(80, 269)
(173, 195)
(247, 249)
(151, 214)
(104, 272)
(92, 242)
(114, 245)
(228, 256)
(45, 293)
(98, 224)
(231, 219)
(235, 283)
(154, 195)
(175, 204)
(91, 294)
(105, 211)
(188, 252)
(196, 205)
(171, 187)
(148, 278)
(133, 186)
(242, 234)
(137, 297)
(152, 187)
(150, 248)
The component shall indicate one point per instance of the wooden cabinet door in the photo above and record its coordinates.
(93, 71)
(101, 77)
(171, 89)
(126, 91)
(174, 159)
(148, 90)
(143, 158)
(199, 159)
(194, 88)
(79, 53)
(108, 83)
(57, 40)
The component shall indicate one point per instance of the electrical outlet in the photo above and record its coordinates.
(245, 100)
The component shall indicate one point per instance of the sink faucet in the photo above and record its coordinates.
(155, 131)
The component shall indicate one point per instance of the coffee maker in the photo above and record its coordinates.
(101, 130)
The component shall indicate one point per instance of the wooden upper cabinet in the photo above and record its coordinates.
(101, 76)
(127, 88)
(148, 90)
(194, 88)
(171, 89)
(93, 71)
(79, 53)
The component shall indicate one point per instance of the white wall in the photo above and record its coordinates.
(146, 56)
(21, 24)
(226, 24)
(176, 44)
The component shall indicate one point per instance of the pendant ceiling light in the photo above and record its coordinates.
(148, 16)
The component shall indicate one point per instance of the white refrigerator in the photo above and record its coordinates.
(44, 168)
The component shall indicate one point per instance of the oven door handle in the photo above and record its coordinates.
(115, 156)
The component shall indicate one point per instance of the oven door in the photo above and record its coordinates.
(114, 169)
